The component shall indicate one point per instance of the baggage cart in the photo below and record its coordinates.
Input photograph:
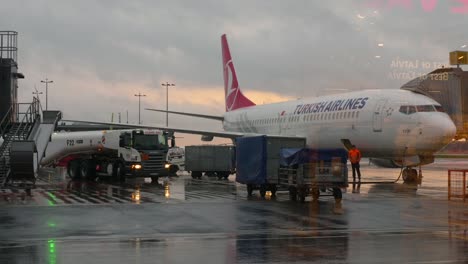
(307, 172)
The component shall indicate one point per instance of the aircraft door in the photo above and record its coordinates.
(377, 121)
(284, 124)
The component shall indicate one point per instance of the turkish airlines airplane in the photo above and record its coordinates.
(397, 125)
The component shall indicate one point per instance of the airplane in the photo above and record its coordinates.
(398, 125)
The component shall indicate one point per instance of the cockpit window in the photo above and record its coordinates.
(425, 108)
(410, 109)
(439, 108)
(404, 109)
(407, 109)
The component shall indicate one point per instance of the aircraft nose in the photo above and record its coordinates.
(445, 129)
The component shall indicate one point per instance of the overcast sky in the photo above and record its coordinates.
(100, 53)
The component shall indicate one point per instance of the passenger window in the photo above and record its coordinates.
(411, 109)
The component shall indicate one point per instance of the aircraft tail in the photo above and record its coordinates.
(233, 95)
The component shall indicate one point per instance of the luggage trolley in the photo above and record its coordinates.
(305, 171)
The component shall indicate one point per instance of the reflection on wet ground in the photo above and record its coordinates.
(212, 221)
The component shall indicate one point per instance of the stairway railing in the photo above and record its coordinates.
(6, 121)
(29, 117)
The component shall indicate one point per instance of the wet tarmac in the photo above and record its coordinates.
(181, 220)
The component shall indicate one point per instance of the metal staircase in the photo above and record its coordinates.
(16, 126)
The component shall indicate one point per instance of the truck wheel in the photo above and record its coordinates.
(173, 170)
(337, 193)
(84, 168)
(273, 189)
(315, 194)
(302, 197)
(74, 170)
(222, 174)
(87, 169)
(292, 193)
(196, 174)
(120, 172)
(249, 190)
(263, 190)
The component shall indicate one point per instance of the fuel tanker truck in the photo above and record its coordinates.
(114, 153)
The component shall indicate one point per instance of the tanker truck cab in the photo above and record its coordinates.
(144, 153)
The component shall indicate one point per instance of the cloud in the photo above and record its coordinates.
(100, 53)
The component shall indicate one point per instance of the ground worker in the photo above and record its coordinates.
(354, 156)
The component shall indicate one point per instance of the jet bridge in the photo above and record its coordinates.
(449, 87)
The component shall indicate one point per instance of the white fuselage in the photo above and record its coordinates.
(369, 119)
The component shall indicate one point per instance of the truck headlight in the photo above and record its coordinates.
(136, 166)
(167, 165)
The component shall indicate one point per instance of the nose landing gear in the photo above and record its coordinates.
(411, 175)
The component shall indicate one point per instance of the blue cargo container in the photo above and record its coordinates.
(258, 161)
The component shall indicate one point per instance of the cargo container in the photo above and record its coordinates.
(211, 160)
(258, 161)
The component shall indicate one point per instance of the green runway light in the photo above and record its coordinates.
(52, 253)
(54, 198)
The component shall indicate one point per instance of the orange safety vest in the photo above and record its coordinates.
(354, 155)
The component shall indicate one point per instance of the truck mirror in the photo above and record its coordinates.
(172, 142)
(121, 141)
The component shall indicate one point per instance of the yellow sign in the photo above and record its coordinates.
(458, 57)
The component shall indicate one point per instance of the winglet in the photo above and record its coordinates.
(233, 95)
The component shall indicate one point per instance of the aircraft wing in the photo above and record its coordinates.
(220, 118)
(221, 134)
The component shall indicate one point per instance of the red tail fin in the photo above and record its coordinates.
(234, 97)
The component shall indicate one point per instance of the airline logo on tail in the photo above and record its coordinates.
(233, 95)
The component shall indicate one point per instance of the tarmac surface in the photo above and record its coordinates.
(181, 220)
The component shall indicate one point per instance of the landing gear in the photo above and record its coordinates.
(411, 175)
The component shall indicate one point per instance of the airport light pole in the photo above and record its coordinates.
(37, 93)
(139, 103)
(47, 81)
(167, 100)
